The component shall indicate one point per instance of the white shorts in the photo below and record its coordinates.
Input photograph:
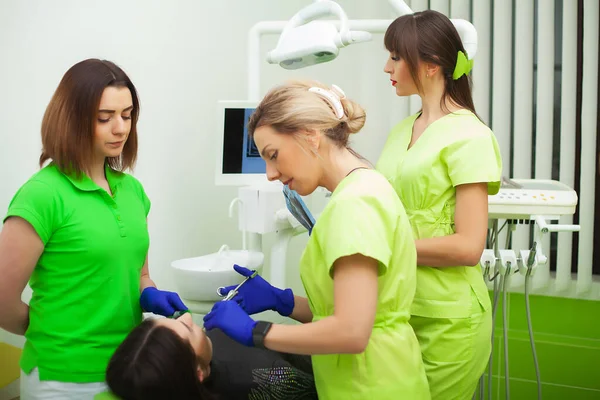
(34, 389)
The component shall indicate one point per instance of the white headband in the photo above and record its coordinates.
(333, 97)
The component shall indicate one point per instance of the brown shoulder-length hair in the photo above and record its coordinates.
(429, 36)
(70, 118)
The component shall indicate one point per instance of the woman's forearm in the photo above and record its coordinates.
(327, 336)
(15, 319)
(145, 282)
(465, 246)
(349, 328)
(302, 312)
(447, 251)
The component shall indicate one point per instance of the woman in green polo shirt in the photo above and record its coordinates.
(77, 231)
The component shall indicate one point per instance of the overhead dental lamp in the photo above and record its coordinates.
(306, 42)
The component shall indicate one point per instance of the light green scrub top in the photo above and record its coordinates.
(86, 284)
(456, 149)
(364, 216)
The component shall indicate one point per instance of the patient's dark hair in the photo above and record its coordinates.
(154, 362)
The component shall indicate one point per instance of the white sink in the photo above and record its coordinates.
(198, 278)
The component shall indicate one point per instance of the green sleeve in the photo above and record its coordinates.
(474, 159)
(145, 200)
(355, 225)
(37, 203)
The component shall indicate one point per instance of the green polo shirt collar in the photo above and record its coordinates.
(85, 183)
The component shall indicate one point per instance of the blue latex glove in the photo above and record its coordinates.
(229, 317)
(258, 295)
(161, 302)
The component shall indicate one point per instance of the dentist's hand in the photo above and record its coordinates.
(258, 295)
(161, 302)
(229, 317)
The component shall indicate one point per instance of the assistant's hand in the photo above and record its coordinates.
(229, 317)
(258, 295)
(161, 302)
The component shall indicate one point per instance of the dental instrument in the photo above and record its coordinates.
(232, 293)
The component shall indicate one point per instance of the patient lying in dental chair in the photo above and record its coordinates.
(174, 359)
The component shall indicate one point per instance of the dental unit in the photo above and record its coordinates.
(269, 207)
(522, 202)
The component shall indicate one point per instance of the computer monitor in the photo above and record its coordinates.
(238, 160)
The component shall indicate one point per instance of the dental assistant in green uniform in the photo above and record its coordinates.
(77, 231)
(443, 162)
(359, 265)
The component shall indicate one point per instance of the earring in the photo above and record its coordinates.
(427, 75)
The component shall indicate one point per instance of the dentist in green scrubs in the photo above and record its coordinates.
(359, 265)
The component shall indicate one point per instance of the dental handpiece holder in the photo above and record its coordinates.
(263, 210)
(542, 228)
(509, 261)
(536, 201)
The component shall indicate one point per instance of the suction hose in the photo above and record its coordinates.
(505, 331)
(530, 263)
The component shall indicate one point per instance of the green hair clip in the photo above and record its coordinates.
(463, 66)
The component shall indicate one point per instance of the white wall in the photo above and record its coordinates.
(183, 56)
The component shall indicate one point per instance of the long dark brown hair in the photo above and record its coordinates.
(155, 363)
(70, 118)
(429, 36)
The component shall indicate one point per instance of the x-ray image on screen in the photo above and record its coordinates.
(251, 149)
(240, 155)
